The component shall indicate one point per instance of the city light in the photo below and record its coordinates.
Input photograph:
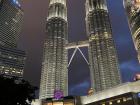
(139, 95)
(16, 2)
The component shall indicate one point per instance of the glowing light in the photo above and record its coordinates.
(138, 1)
(124, 99)
(58, 94)
(139, 95)
(16, 2)
(110, 103)
(118, 101)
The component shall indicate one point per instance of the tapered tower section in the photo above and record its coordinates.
(102, 54)
(132, 8)
(54, 75)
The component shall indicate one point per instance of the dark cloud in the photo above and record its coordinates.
(80, 89)
(129, 69)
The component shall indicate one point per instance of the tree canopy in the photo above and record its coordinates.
(15, 91)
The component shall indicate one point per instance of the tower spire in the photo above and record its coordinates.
(58, 1)
(57, 9)
(95, 4)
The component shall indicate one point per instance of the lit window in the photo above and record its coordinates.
(139, 95)
(6, 72)
(110, 103)
(18, 72)
(124, 99)
(10, 57)
(129, 98)
(118, 101)
(6, 23)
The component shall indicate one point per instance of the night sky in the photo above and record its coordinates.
(33, 34)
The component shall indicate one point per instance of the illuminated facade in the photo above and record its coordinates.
(63, 101)
(133, 12)
(123, 99)
(123, 94)
(11, 62)
(11, 18)
(103, 60)
(54, 66)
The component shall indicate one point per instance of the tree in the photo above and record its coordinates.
(16, 92)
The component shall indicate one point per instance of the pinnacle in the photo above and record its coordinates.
(58, 1)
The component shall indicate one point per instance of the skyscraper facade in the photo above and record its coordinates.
(11, 18)
(133, 12)
(103, 60)
(12, 59)
(54, 76)
(12, 62)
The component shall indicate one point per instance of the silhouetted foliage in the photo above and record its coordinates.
(16, 92)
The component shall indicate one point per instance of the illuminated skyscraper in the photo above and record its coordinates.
(11, 18)
(12, 60)
(133, 12)
(54, 66)
(102, 53)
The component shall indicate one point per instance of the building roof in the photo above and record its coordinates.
(115, 91)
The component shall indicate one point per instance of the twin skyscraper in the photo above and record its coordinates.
(103, 61)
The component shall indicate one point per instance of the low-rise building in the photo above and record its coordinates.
(124, 94)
